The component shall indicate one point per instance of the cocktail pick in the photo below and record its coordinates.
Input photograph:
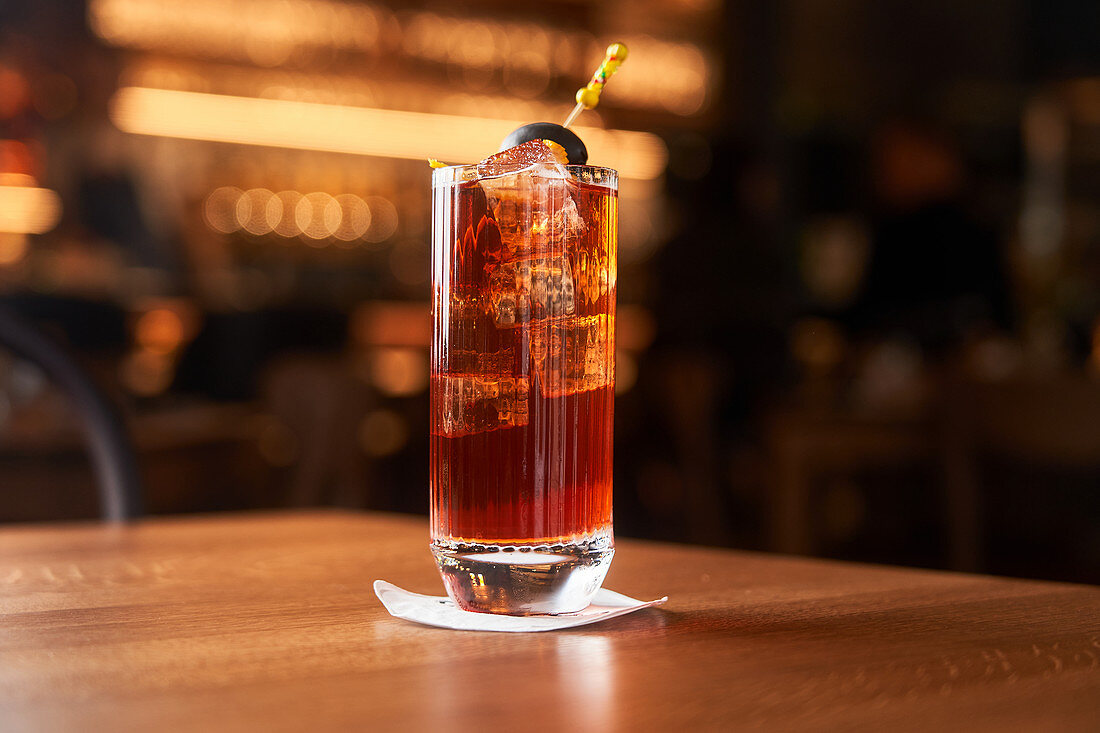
(588, 96)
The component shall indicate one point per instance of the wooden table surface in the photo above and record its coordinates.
(268, 622)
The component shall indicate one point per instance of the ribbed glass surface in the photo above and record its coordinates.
(523, 356)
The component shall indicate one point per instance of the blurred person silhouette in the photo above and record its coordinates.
(935, 273)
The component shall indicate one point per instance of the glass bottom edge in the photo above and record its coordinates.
(524, 580)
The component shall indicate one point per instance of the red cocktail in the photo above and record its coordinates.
(523, 380)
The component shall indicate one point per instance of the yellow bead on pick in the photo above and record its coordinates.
(618, 52)
(588, 96)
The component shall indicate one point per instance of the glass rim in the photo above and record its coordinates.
(453, 173)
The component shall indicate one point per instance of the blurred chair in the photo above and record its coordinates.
(111, 452)
(1052, 424)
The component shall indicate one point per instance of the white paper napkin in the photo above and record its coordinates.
(442, 612)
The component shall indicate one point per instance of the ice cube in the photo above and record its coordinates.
(591, 275)
(475, 404)
(534, 211)
(528, 192)
(573, 354)
(531, 288)
(472, 342)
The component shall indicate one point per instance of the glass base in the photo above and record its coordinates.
(523, 581)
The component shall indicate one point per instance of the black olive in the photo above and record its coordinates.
(574, 147)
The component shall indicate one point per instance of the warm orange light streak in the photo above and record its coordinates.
(28, 210)
(356, 130)
(663, 74)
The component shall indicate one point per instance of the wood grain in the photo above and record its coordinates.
(267, 622)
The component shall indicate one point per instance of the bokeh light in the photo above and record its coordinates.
(383, 433)
(398, 372)
(383, 219)
(28, 210)
(252, 210)
(220, 209)
(317, 215)
(355, 217)
(160, 331)
(286, 222)
(626, 372)
(481, 51)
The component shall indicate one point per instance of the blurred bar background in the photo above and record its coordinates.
(859, 279)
